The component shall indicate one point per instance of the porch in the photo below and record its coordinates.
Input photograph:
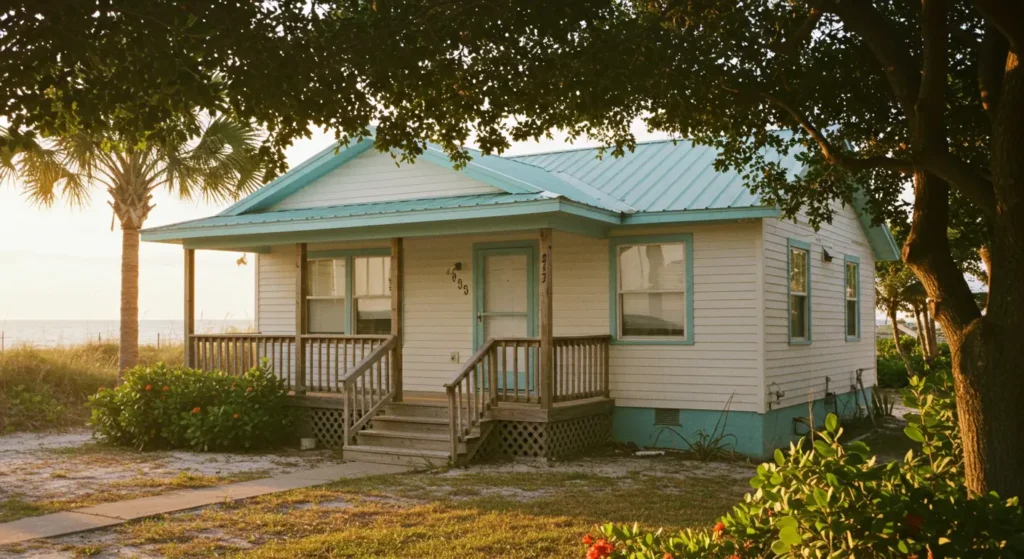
(534, 395)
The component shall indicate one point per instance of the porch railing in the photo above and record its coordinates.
(328, 358)
(237, 353)
(508, 370)
(581, 367)
(367, 388)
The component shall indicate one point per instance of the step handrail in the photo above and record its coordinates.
(368, 384)
(470, 396)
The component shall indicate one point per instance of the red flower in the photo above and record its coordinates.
(668, 556)
(588, 540)
(734, 556)
(235, 416)
(101, 389)
(195, 410)
(913, 522)
(248, 390)
(602, 548)
(719, 529)
(166, 388)
(149, 387)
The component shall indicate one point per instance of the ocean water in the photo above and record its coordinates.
(49, 333)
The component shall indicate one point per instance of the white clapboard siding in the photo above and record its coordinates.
(800, 370)
(374, 177)
(725, 362)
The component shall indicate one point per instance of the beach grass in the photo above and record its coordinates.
(47, 388)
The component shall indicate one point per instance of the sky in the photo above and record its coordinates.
(63, 263)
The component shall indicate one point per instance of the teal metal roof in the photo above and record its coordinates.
(659, 182)
(656, 177)
(347, 211)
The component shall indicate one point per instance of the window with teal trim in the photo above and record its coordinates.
(852, 301)
(652, 291)
(799, 294)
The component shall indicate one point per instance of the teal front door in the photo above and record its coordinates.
(506, 302)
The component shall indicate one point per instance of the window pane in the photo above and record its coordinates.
(851, 318)
(851, 281)
(327, 316)
(326, 278)
(798, 270)
(798, 316)
(372, 275)
(373, 316)
(653, 314)
(652, 267)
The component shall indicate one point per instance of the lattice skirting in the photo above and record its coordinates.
(546, 440)
(323, 424)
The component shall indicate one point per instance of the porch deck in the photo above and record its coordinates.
(351, 387)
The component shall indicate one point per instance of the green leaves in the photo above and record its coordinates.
(163, 407)
(828, 500)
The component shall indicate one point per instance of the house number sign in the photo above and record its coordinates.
(461, 285)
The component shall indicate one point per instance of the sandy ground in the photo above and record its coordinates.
(43, 466)
(111, 543)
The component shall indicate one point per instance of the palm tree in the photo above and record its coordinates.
(218, 161)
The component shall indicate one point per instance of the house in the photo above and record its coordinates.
(536, 304)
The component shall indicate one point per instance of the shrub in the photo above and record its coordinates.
(892, 373)
(48, 387)
(165, 407)
(832, 500)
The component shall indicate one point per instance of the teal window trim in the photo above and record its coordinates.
(805, 246)
(529, 247)
(613, 276)
(349, 256)
(847, 260)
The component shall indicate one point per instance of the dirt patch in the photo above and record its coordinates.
(55, 471)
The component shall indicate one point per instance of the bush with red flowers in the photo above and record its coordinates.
(193, 409)
(829, 499)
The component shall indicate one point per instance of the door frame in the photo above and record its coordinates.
(481, 250)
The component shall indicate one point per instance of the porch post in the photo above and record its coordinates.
(547, 347)
(300, 318)
(190, 305)
(396, 315)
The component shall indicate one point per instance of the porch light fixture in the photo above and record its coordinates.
(825, 256)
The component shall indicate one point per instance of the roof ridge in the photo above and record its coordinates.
(567, 150)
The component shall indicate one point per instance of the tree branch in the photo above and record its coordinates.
(789, 45)
(831, 154)
(961, 176)
(1008, 17)
(901, 70)
(991, 67)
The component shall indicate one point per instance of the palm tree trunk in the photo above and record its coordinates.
(129, 350)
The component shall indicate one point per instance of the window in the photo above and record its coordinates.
(373, 294)
(653, 299)
(799, 292)
(349, 294)
(852, 298)
(326, 297)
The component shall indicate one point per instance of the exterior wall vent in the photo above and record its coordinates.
(666, 417)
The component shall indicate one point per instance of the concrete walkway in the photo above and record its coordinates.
(112, 514)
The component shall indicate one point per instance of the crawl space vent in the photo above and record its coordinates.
(666, 417)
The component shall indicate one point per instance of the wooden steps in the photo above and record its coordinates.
(415, 433)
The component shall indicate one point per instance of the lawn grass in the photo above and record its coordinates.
(47, 388)
(471, 515)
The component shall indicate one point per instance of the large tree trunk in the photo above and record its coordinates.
(899, 348)
(129, 349)
(989, 380)
(987, 351)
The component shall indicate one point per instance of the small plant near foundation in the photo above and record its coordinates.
(165, 407)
